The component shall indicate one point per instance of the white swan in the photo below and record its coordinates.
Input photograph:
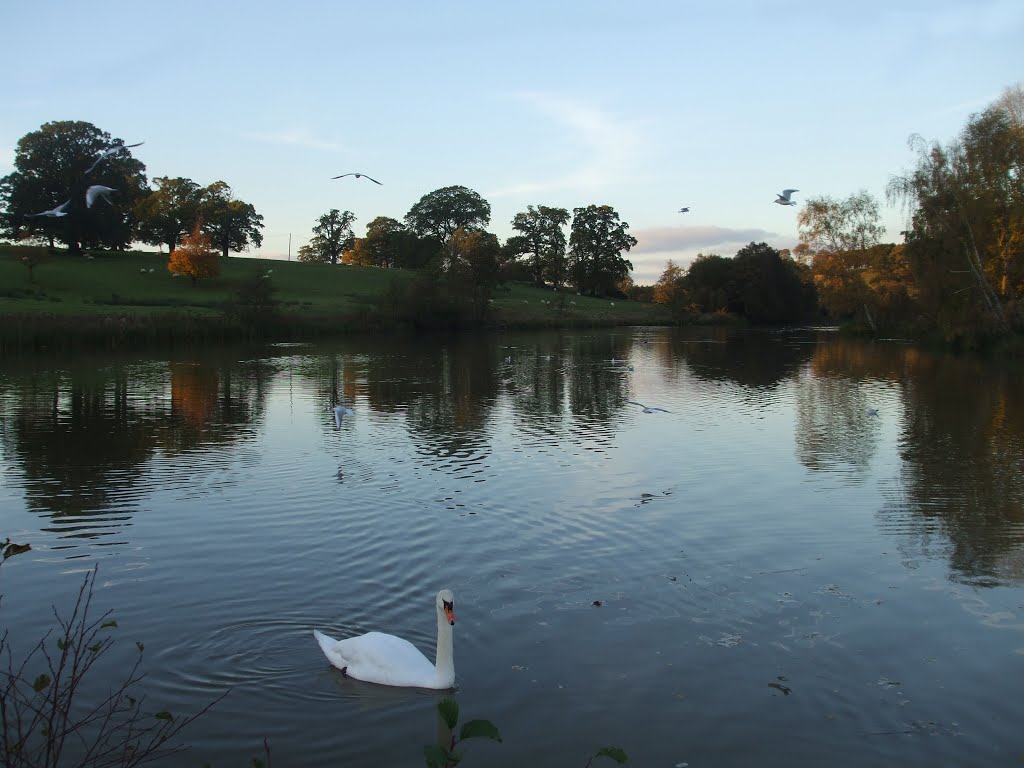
(388, 660)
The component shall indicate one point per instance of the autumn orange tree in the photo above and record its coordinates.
(668, 284)
(195, 256)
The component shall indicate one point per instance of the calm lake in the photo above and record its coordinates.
(814, 557)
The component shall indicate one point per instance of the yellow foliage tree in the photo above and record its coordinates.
(668, 284)
(358, 254)
(195, 257)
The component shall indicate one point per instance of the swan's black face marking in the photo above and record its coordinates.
(449, 610)
(344, 671)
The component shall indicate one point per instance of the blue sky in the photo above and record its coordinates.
(644, 106)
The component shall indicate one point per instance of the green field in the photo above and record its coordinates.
(68, 288)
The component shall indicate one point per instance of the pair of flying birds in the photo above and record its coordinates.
(94, 192)
(783, 199)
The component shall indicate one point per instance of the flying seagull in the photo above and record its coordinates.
(684, 210)
(55, 212)
(358, 176)
(783, 199)
(97, 190)
(648, 408)
(110, 152)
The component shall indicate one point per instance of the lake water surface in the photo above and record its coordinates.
(784, 576)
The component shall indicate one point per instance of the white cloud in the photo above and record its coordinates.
(295, 137)
(676, 239)
(656, 245)
(610, 146)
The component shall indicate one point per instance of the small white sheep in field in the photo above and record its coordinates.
(151, 270)
(612, 303)
(142, 270)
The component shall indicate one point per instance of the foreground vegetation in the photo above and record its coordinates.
(130, 297)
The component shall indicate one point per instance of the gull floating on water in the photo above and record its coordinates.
(358, 176)
(648, 408)
(60, 210)
(95, 191)
(872, 411)
(110, 152)
(341, 411)
(783, 199)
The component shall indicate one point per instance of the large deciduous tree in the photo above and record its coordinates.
(332, 235)
(439, 213)
(389, 243)
(542, 239)
(169, 212)
(965, 246)
(476, 263)
(707, 281)
(769, 289)
(52, 165)
(827, 224)
(838, 239)
(232, 224)
(597, 242)
(315, 251)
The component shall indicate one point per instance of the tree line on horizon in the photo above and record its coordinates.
(445, 231)
(959, 271)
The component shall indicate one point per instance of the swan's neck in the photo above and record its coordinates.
(445, 661)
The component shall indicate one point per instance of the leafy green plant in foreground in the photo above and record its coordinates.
(443, 754)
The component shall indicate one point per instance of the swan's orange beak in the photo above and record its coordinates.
(450, 613)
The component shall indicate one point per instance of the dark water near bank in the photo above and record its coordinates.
(785, 577)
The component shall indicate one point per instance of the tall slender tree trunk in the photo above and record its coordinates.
(977, 268)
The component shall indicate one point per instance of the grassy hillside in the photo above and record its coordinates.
(137, 287)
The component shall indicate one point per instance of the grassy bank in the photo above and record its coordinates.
(129, 298)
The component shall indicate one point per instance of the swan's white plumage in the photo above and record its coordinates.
(380, 658)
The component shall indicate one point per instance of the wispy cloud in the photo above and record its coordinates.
(677, 239)
(610, 146)
(295, 137)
